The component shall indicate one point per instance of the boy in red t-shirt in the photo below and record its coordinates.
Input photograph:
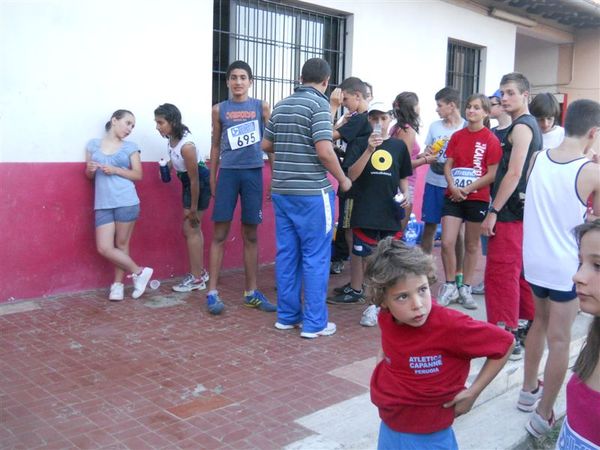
(418, 384)
(473, 155)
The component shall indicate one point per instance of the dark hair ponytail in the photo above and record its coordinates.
(118, 114)
(404, 110)
(172, 115)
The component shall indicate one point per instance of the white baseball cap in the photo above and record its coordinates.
(378, 105)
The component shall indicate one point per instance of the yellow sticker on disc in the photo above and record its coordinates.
(381, 160)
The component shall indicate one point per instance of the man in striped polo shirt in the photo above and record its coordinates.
(300, 134)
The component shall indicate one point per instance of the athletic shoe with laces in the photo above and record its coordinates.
(448, 293)
(538, 426)
(204, 276)
(478, 289)
(327, 331)
(259, 301)
(465, 297)
(336, 267)
(190, 283)
(141, 281)
(528, 400)
(517, 352)
(346, 288)
(369, 316)
(215, 304)
(117, 292)
(350, 297)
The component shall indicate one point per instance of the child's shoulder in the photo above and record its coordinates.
(93, 144)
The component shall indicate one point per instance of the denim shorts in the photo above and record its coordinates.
(121, 214)
(186, 192)
(433, 202)
(555, 296)
(245, 183)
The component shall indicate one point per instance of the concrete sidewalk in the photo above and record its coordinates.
(493, 423)
(80, 372)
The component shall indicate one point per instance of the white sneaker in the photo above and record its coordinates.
(448, 293)
(478, 289)
(141, 281)
(327, 331)
(117, 292)
(205, 277)
(191, 283)
(466, 299)
(284, 326)
(369, 316)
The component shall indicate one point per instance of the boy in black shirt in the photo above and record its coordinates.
(353, 125)
(378, 166)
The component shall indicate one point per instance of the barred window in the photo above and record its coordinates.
(463, 68)
(275, 39)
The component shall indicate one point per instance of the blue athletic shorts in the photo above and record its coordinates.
(122, 214)
(186, 192)
(245, 183)
(555, 296)
(433, 202)
(393, 440)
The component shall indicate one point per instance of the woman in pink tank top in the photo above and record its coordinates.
(406, 113)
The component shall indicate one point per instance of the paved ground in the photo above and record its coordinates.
(78, 371)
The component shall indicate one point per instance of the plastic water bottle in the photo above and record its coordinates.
(165, 173)
(412, 231)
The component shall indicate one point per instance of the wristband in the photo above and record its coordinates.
(492, 210)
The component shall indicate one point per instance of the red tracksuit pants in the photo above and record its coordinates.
(508, 296)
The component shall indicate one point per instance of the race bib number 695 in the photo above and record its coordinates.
(243, 135)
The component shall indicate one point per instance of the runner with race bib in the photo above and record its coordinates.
(473, 154)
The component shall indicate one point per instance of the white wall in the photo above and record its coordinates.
(66, 65)
(537, 59)
(402, 45)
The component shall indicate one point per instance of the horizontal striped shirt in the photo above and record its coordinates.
(297, 123)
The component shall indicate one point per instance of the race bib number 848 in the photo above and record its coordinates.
(243, 135)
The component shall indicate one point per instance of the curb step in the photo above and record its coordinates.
(493, 423)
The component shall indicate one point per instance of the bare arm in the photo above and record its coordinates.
(215, 148)
(190, 158)
(588, 184)
(463, 401)
(330, 160)
(90, 166)
(521, 138)
(455, 193)
(481, 182)
(359, 165)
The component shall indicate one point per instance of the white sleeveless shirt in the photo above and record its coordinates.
(175, 152)
(552, 210)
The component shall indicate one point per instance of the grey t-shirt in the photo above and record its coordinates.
(113, 191)
(438, 131)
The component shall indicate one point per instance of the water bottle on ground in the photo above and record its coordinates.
(165, 173)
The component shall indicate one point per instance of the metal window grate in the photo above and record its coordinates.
(463, 68)
(275, 39)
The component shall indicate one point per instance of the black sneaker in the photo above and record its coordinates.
(524, 326)
(345, 289)
(517, 352)
(347, 298)
(336, 267)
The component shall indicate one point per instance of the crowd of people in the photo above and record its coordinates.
(515, 192)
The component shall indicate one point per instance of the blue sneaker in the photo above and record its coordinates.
(215, 304)
(258, 300)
